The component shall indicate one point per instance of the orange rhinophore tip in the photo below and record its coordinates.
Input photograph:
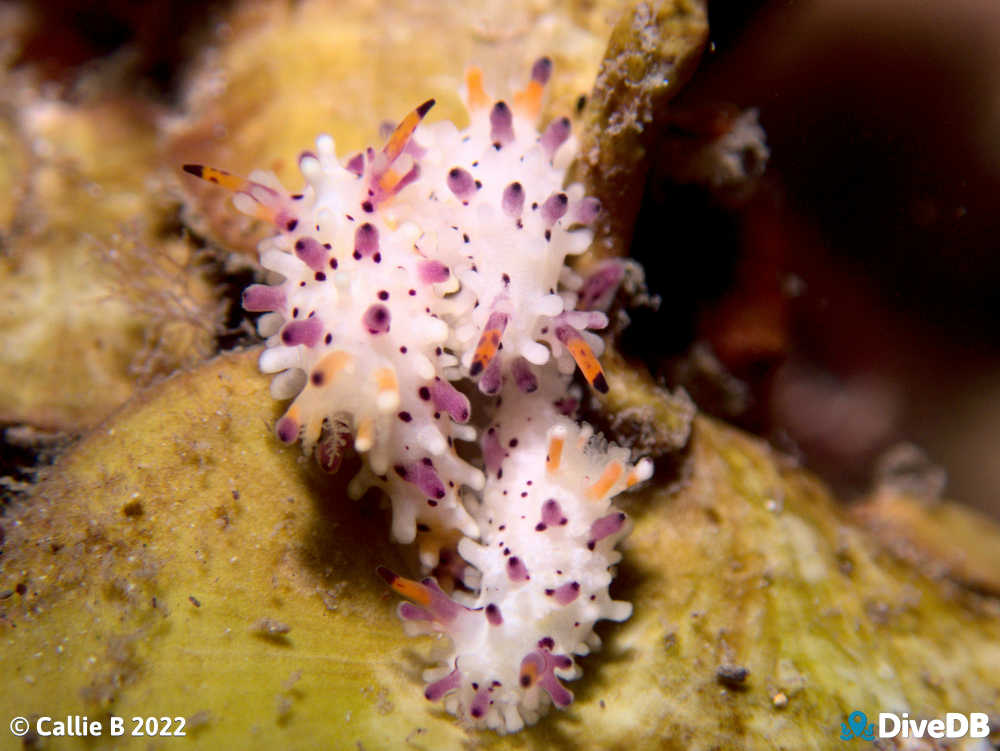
(554, 457)
(584, 356)
(474, 87)
(266, 200)
(219, 177)
(528, 101)
(606, 481)
(401, 136)
(408, 588)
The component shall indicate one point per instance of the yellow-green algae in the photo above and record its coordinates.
(94, 296)
(180, 561)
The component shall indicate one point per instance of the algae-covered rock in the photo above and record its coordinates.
(652, 52)
(181, 562)
(96, 296)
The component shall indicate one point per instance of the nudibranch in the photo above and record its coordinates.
(410, 277)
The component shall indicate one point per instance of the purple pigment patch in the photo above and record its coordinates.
(365, 240)
(552, 514)
(599, 288)
(541, 70)
(516, 570)
(461, 183)
(524, 377)
(259, 298)
(491, 379)
(305, 332)
(554, 208)
(493, 453)
(447, 398)
(501, 124)
(311, 253)
(377, 319)
(432, 272)
(512, 201)
(586, 211)
(438, 689)
(555, 136)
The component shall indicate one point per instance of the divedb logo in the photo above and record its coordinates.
(891, 725)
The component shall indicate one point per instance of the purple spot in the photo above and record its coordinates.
(287, 430)
(365, 240)
(479, 703)
(554, 208)
(449, 399)
(523, 375)
(461, 183)
(607, 526)
(493, 615)
(586, 210)
(599, 288)
(311, 252)
(516, 570)
(414, 149)
(501, 124)
(513, 200)
(356, 164)
(439, 688)
(376, 319)
(493, 453)
(432, 272)
(410, 612)
(261, 297)
(424, 477)
(567, 405)
(545, 665)
(406, 179)
(568, 592)
(541, 70)
(497, 321)
(444, 609)
(305, 332)
(552, 513)
(555, 136)
(566, 332)
(491, 381)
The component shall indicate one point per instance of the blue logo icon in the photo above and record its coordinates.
(857, 727)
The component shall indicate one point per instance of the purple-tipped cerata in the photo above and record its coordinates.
(305, 332)
(555, 136)
(261, 297)
(365, 240)
(461, 183)
(501, 124)
(311, 253)
(512, 201)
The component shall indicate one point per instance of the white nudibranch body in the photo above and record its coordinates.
(437, 260)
